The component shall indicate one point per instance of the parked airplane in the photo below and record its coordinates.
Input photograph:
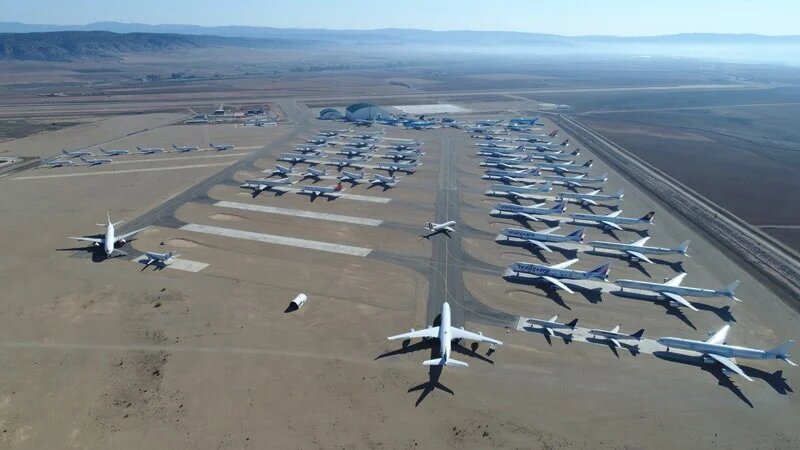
(715, 349)
(315, 149)
(446, 227)
(588, 198)
(353, 151)
(149, 150)
(536, 138)
(419, 125)
(96, 161)
(410, 146)
(615, 336)
(557, 272)
(399, 167)
(114, 152)
(549, 145)
(549, 326)
(185, 148)
(636, 250)
(262, 184)
(313, 173)
(562, 167)
(332, 133)
(296, 158)
(527, 192)
(221, 147)
(317, 141)
(445, 332)
(510, 176)
(280, 171)
(109, 241)
(505, 163)
(524, 120)
(553, 156)
(526, 212)
(398, 155)
(386, 182)
(320, 191)
(352, 177)
(164, 259)
(366, 136)
(578, 180)
(58, 162)
(488, 137)
(365, 144)
(538, 238)
(672, 290)
(612, 219)
(346, 162)
(76, 153)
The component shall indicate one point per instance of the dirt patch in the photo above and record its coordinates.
(226, 217)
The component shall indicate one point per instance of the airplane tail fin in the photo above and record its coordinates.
(730, 288)
(577, 235)
(547, 186)
(638, 335)
(782, 350)
(648, 217)
(588, 163)
(559, 207)
(573, 323)
(600, 271)
(618, 195)
(683, 247)
(554, 133)
(565, 143)
(576, 152)
(444, 362)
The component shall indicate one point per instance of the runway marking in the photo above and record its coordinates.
(147, 160)
(360, 198)
(112, 172)
(178, 264)
(300, 213)
(278, 240)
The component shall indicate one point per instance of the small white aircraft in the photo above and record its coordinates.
(221, 147)
(399, 167)
(611, 220)
(110, 240)
(280, 171)
(322, 191)
(313, 173)
(163, 259)
(185, 148)
(58, 162)
(577, 180)
(352, 177)
(149, 150)
(446, 227)
(261, 184)
(672, 290)
(386, 182)
(76, 153)
(557, 272)
(715, 349)
(526, 212)
(96, 161)
(445, 333)
(551, 325)
(614, 336)
(589, 198)
(114, 151)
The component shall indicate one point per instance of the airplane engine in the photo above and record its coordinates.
(674, 304)
(120, 243)
(96, 244)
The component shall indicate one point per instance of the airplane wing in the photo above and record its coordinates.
(558, 284)
(541, 245)
(459, 333)
(517, 194)
(640, 256)
(88, 239)
(611, 225)
(614, 213)
(641, 241)
(127, 235)
(549, 230)
(729, 364)
(565, 264)
(719, 336)
(677, 298)
(450, 229)
(529, 217)
(615, 342)
(427, 332)
(676, 281)
(589, 201)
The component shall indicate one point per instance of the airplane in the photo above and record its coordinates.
(319, 191)
(536, 138)
(526, 212)
(419, 125)
(499, 152)
(487, 122)
(346, 162)
(578, 180)
(114, 152)
(518, 128)
(296, 158)
(362, 123)
(353, 151)
(549, 326)
(317, 141)
(554, 156)
(495, 145)
(446, 227)
(715, 349)
(185, 148)
(398, 155)
(509, 176)
(561, 167)
(280, 171)
(527, 192)
(636, 250)
(538, 238)
(488, 137)
(221, 147)
(314, 173)
(149, 150)
(332, 133)
(352, 177)
(549, 145)
(163, 259)
(672, 290)
(386, 121)
(615, 336)
(58, 162)
(261, 184)
(557, 272)
(609, 221)
(109, 241)
(410, 146)
(504, 163)
(399, 167)
(524, 120)
(445, 332)
(76, 153)
(386, 182)
(588, 198)
(361, 143)
(308, 149)
(369, 136)
(96, 162)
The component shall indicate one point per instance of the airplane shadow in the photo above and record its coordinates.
(472, 351)
(97, 254)
(433, 383)
(632, 348)
(434, 233)
(567, 338)
(593, 296)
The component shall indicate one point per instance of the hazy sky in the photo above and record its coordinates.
(568, 17)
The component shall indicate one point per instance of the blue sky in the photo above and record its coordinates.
(567, 17)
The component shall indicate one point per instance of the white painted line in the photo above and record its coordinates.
(112, 172)
(360, 198)
(300, 213)
(156, 159)
(179, 264)
(279, 240)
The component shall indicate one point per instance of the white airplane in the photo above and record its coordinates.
(58, 162)
(549, 326)
(399, 167)
(557, 272)
(315, 149)
(353, 151)
(317, 141)
(536, 138)
(296, 158)
(612, 219)
(114, 151)
(446, 227)
(346, 162)
(715, 349)
(672, 290)
(280, 171)
(538, 238)
(561, 167)
(96, 161)
(615, 336)
(445, 333)
(352, 177)
(386, 182)
(221, 147)
(149, 150)
(76, 153)
(588, 198)
(110, 240)
(185, 148)
(526, 212)
(527, 192)
(549, 145)
(314, 173)
(398, 155)
(164, 259)
(577, 181)
(636, 250)
(413, 146)
(261, 184)
(554, 156)
(321, 191)
(510, 176)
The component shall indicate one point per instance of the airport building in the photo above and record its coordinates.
(330, 114)
(365, 111)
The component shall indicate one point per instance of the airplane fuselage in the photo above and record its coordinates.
(728, 351)
(444, 333)
(683, 291)
(634, 248)
(519, 233)
(519, 209)
(545, 271)
(108, 240)
(617, 219)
